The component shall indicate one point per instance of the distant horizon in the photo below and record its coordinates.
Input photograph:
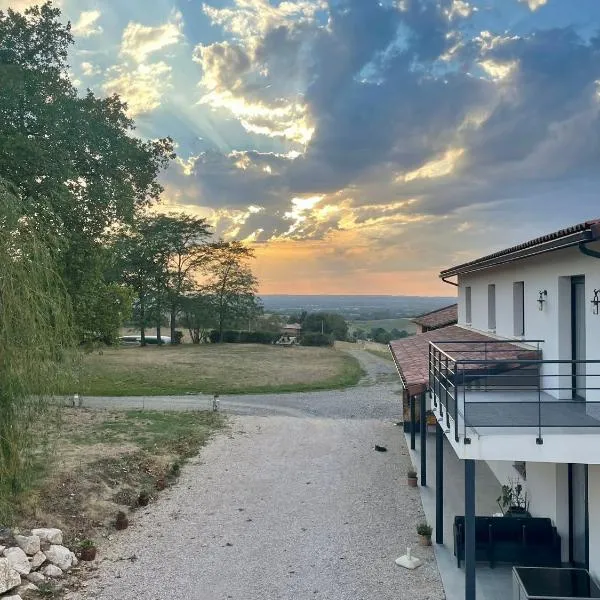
(363, 295)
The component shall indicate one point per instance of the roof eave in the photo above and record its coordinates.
(567, 241)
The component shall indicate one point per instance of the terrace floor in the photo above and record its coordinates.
(492, 584)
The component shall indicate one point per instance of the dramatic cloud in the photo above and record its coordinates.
(87, 24)
(534, 4)
(142, 88)
(140, 41)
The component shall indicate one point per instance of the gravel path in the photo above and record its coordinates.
(283, 507)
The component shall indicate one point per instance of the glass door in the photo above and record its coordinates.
(578, 516)
(578, 336)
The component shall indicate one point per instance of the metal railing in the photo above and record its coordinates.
(504, 384)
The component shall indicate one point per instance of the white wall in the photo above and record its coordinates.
(549, 272)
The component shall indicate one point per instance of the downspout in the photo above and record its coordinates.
(588, 251)
(451, 282)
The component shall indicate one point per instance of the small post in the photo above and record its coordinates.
(423, 425)
(413, 422)
(470, 591)
(439, 484)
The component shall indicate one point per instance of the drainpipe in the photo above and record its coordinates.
(588, 251)
(449, 282)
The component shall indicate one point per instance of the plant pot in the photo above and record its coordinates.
(425, 540)
(517, 511)
(412, 481)
(431, 420)
(88, 553)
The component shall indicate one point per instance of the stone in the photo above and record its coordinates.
(25, 588)
(30, 544)
(60, 556)
(37, 560)
(52, 571)
(9, 578)
(48, 534)
(18, 560)
(36, 578)
(13, 597)
(2, 549)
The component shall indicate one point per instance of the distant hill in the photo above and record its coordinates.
(356, 308)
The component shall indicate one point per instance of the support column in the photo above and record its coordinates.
(439, 484)
(469, 529)
(413, 421)
(423, 449)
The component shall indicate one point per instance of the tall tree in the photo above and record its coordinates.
(230, 283)
(73, 160)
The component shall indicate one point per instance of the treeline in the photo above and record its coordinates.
(379, 335)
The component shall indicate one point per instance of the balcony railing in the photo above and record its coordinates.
(502, 384)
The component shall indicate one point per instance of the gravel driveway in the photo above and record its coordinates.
(283, 506)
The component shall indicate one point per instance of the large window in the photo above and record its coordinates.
(492, 306)
(519, 307)
(468, 304)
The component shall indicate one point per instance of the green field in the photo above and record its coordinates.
(387, 324)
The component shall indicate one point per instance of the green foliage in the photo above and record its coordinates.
(316, 339)
(36, 343)
(424, 529)
(513, 496)
(198, 315)
(328, 323)
(74, 163)
(230, 336)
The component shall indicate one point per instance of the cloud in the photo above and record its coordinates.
(140, 41)
(21, 5)
(89, 70)
(534, 4)
(142, 88)
(86, 25)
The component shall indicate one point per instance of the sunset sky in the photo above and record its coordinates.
(360, 145)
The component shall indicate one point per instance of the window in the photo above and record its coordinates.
(519, 307)
(491, 306)
(468, 304)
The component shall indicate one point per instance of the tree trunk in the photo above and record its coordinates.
(158, 319)
(143, 321)
(173, 318)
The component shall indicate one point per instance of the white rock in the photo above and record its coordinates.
(37, 560)
(18, 560)
(36, 578)
(9, 578)
(24, 588)
(30, 544)
(52, 571)
(47, 534)
(13, 597)
(60, 556)
(2, 549)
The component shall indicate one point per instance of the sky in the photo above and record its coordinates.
(360, 146)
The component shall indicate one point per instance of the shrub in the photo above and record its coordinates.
(244, 337)
(178, 337)
(424, 529)
(316, 339)
(411, 474)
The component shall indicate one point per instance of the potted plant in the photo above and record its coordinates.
(411, 478)
(87, 550)
(424, 530)
(430, 418)
(513, 501)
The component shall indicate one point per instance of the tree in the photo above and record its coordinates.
(72, 159)
(36, 342)
(198, 316)
(324, 322)
(231, 285)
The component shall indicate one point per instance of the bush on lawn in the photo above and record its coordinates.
(231, 336)
(317, 339)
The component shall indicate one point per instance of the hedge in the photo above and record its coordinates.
(231, 336)
(316, 339)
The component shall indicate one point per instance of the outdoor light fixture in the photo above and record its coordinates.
(595, 302)
(542, 298)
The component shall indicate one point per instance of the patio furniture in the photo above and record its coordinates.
(531, 541)
(558, 584)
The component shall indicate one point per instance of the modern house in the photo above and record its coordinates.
(436, 319)
(516, 385)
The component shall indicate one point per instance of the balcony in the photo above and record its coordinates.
(483, 391)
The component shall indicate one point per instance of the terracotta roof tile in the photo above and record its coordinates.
(411, 355)
(438, 318)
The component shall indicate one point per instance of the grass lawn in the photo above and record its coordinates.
(106, 460)
(215, 368)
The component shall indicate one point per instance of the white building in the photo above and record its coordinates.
(517, 382)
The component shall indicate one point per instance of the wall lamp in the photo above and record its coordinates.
(595, 302)
(542, 298)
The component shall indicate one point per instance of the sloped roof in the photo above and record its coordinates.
(438, 318)
(411, 355)
(563, 238)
